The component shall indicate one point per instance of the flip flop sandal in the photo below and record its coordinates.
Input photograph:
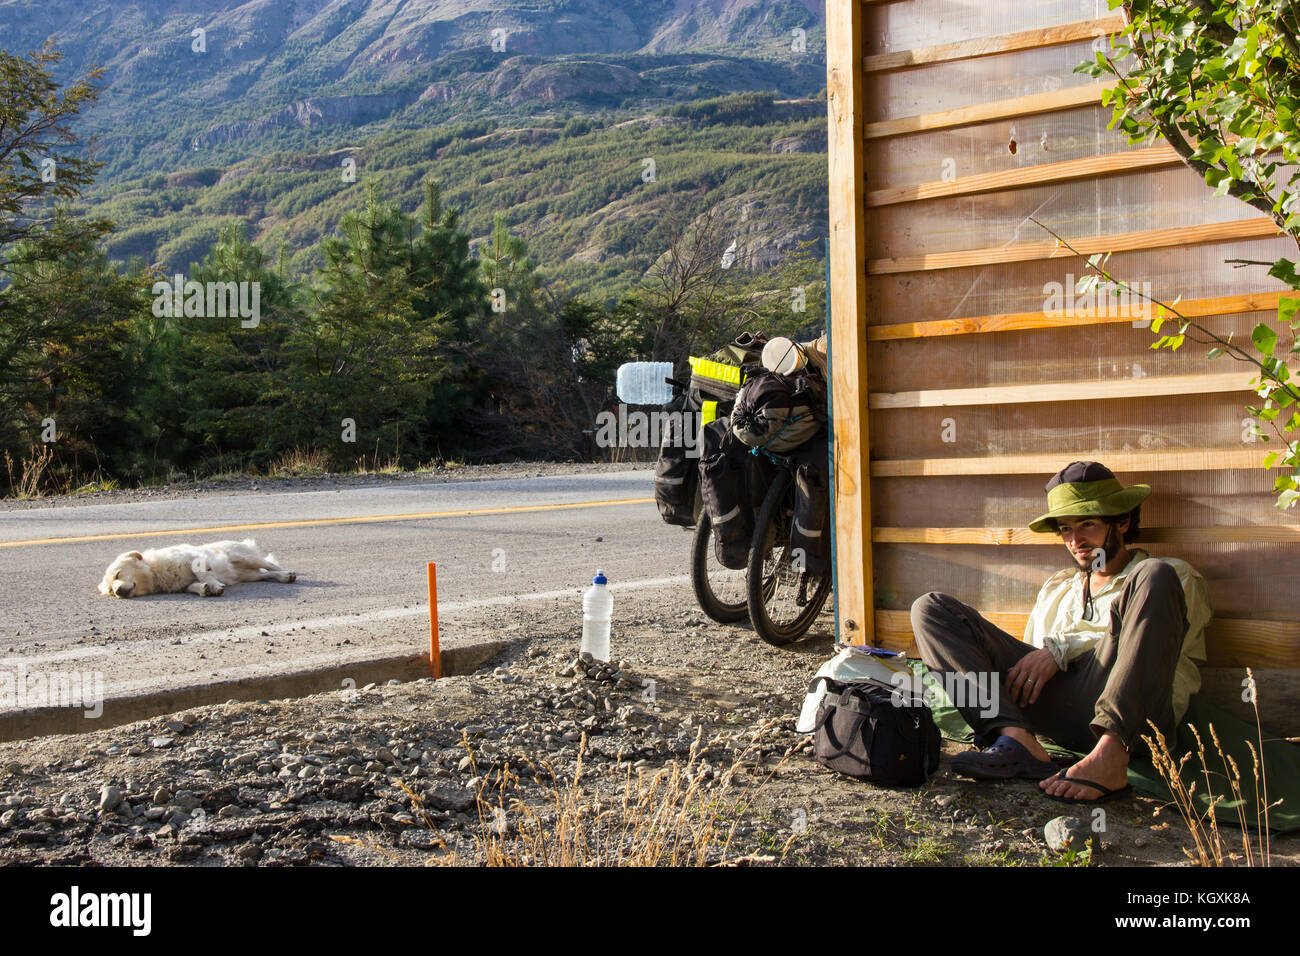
(1106, 792)
(1006, 759)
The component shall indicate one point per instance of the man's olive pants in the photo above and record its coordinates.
(1116, 686)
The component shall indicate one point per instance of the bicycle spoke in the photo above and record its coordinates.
(783, 597)
(721, 591)
(728, 585)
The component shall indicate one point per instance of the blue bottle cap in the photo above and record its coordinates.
(599, 578)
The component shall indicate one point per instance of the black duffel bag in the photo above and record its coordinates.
(875, 733)
(779, 412)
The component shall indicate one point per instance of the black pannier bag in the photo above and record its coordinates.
(875, 733)
(729, 478)
(812, 509)
(677, 474)
(722, 486)
(710, 394)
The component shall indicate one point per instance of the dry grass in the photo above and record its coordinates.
(373, 466)
(30, 478)
(1204, 827)
(300, 462)
(671, 817)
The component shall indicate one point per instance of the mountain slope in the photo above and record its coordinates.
(263, 65)
(548, 120)
(576, 190)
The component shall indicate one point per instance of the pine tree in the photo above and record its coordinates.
(65, 312)
(233, 370)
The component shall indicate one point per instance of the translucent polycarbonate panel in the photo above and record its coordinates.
(1083, 353)
(1242, 578)
(1132, 202)
(934, 87)
(1193, 272)
(1247, 578)
(1156, 423)
(917, 23)
(948, 154)
(988, 578)
(1178, 498)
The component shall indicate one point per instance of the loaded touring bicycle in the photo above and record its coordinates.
(753, 488)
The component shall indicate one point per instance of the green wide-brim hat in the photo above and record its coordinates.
(1087, 489)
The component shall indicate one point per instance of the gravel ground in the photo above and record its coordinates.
(412, 773)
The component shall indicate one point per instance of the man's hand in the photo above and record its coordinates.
(1025, 678)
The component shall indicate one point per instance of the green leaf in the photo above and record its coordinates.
(1214, 352)
(1264, 338)
(1158, 321)
(1286, 499)
(1215, 69)
(1270, 458)
(1286, 310)
(1285, 270)
(1272, 141)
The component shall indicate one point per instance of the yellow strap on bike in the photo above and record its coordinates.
(708, 413)
(730, 374)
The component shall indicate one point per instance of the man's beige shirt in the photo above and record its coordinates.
(1057, 621)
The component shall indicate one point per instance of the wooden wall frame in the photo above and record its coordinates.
(848, 296)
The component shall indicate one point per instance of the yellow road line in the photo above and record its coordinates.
(364, 519)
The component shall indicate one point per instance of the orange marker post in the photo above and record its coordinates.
(435, 658)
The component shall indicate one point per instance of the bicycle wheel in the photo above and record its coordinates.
(784, 600)
(720, 590)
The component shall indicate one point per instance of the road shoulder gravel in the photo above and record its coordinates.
(697, 716)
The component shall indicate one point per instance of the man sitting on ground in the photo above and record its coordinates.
(1112, 642)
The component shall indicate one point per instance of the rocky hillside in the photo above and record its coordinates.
(544, 110)
(576, 187)
(181, 80)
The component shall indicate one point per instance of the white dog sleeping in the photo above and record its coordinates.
(205, 570)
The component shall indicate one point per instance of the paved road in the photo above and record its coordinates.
(361, 583)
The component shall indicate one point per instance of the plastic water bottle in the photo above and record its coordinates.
(597, 609)
(642, 383)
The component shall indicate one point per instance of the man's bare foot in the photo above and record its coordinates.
(1028, 740)
(1107, 765)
